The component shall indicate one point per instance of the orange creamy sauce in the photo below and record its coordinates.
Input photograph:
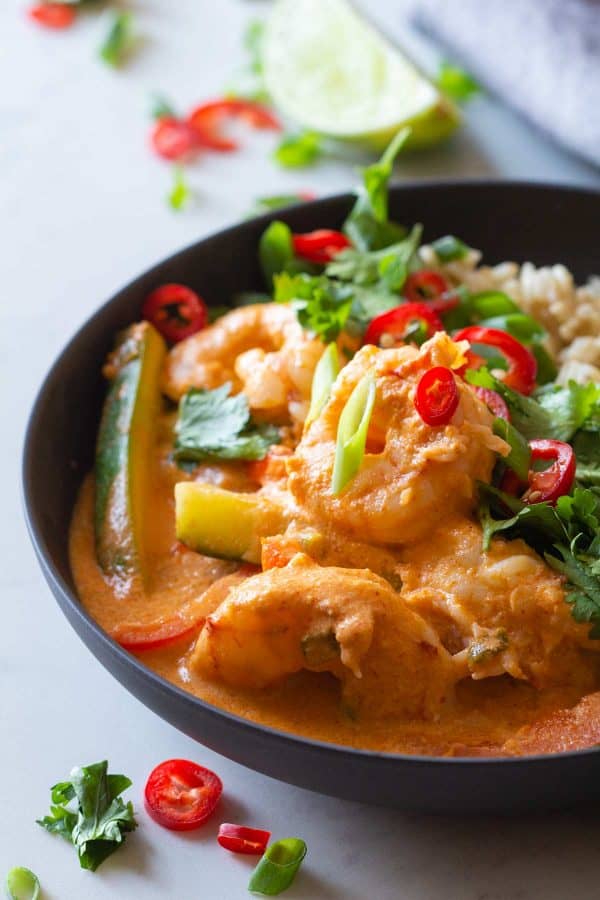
(489, 717)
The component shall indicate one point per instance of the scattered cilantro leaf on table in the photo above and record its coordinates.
(456, 82)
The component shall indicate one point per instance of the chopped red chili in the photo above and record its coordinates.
(425, 285)
(436, 397)
(240, 839)
(548, 484)
(522, 365)
(206, 120)
(173, 139)
(320, 246)
(176, 311)
(53, 15)
(494, 402)
(395, 323)
(181, 795)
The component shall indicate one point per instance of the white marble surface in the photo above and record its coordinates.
(83, 212)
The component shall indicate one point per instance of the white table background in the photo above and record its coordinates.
(82, 213)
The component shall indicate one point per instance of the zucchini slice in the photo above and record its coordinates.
(124, 458)
(224, 524)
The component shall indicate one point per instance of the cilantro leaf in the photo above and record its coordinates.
(456, 82)
(296, 151)
(586, 445)
(276, 252)
(368, 226)
(215, 425)
(321, 304)
(88, 812)
(388, 266)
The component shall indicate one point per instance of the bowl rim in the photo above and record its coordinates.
(70, 598)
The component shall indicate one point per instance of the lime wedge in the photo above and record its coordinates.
(331, 72)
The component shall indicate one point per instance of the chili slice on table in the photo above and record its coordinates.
(493, 401)
(522, 365)
(240, 839)
(390, 328)
(53, 15)
(206, 121)
(320, 246)
(173, 139)
(176, 311)
(181, 795)
(436, 397)
(547, 485)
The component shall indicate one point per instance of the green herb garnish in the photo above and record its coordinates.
(368, 226)
(88, 811)
(450, 248)
(264, 205)
(215, 425)
(249, 82)
(387, 267)
(519, 457)
(322, 305)
(119, 40)
(456, 82)
(22, 884)
(180, 194)
(296, 151)
(160, 108)
(326, 372)
(278, 867)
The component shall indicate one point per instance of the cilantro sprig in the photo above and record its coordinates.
(87, 810)
(215, 425)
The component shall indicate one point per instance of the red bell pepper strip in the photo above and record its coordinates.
(522, 365)
(320, 246)
(436, 397)
(394, 323)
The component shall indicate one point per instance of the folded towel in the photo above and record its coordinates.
(541, 56)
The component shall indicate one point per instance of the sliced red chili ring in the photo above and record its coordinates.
(425, 285)
(138, 637)
(436, 397)
(181, 795)
(176, 311)
(240, 839)
(493, 401)
(320, 246)
(173, 139)
(206, 120)
(53, 15)
(394, 323)
(522, 365)
(551, 483)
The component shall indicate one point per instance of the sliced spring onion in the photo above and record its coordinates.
(449, 248)
(22, 884)
(277, 868)
(352, 433)
(325, 374)
(180, 194)
(519, 457)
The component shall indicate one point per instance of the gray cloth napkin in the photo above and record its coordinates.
(541, 56)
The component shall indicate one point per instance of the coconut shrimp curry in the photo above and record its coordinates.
(360, 510)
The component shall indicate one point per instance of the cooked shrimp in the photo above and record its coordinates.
(411, 472)
(505, 608)
(262, 350)
(348, 622)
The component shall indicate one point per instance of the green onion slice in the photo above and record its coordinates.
(519, 457)
(326, 372)
(22, 884)
(449, 248)
(119, 39)
(352, 433)
(277, 868)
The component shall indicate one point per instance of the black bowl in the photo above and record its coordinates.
(519, 221)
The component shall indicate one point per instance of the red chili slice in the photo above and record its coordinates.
(206, 121)
(436, 397)
(173, 139)
(138, 637)
(181, 795)
(395, 322)
(425, 285)
(240, 839)
(494, 401)
(320, 246)
(176, 311)
(551, 483)
(522, 365)
(53, 15)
